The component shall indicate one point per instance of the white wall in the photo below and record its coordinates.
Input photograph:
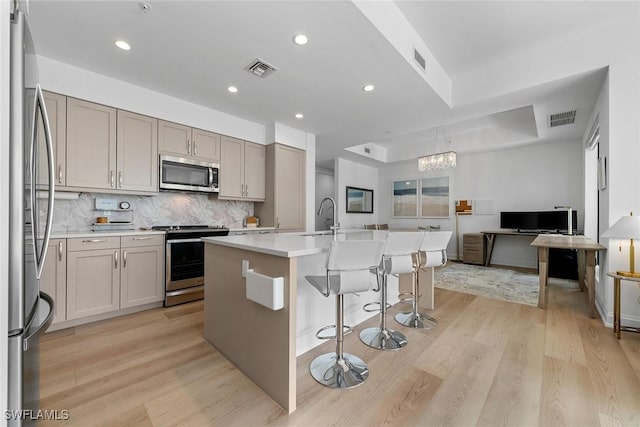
(4, 201)
(325, 187)
(353, 174)
(536, 177)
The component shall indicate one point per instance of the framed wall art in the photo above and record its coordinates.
(434, 197)
(405, 198)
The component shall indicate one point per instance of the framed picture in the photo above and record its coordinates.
(602, 173)
(434, 197)
(405, 198)
(359, 200)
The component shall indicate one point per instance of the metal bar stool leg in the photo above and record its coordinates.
(413, 318)
(381, 337)
(339, 369)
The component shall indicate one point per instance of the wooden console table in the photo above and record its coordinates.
(585, 246)
(491, 240)
(617, 327)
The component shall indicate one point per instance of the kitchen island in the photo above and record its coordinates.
(264, 343)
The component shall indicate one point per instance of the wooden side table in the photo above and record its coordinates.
(617, 327)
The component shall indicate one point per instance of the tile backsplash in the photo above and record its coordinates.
(162, 209)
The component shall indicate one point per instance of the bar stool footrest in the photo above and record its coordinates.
(368, 309)
(347, 330)
(405, 297)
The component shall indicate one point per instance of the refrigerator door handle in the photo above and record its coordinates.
(39, 106)
(42, 327)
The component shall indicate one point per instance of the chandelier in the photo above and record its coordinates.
(436, 161)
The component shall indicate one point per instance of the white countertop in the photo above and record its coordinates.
(291, 245)
(114, 233)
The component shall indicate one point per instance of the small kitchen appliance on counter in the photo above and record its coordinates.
(184, 268)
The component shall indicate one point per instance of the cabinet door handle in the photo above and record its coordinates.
(120, 179)
(59, 174)
(277, 223)
(94, 240)
(142, 238)
(115, 260)
(60, 250)
(124, 259)
(242, 189)
(246, 190)
(189, 146)
(195, 147)
(112, 179)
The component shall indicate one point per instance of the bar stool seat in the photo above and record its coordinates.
(432, 253)
(349, 265)
(396, 259)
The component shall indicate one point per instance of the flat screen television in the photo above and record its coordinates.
(539, 221)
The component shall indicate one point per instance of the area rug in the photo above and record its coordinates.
(494, 282)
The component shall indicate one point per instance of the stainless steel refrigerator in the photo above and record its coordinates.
(30, 218)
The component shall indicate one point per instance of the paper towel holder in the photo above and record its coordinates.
(264, 290)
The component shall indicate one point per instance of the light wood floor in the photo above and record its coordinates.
(487, 363)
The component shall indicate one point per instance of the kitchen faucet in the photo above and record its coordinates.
(334, 228)
(569, 218)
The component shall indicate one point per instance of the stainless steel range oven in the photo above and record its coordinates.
(184, 276)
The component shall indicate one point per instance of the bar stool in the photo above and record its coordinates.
(396, 259)
(433, 253)
(349, 267)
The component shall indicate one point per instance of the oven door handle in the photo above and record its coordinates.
(169, 242)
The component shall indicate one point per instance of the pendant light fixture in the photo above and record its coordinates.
(444, 160)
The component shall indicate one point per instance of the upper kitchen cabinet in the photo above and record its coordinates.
(183, 141)
(137, 152)
(242, 170)
(91, 145)
(111, 150)
(56, 106)
(284, 207)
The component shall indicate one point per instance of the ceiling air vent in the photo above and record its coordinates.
(561, 119)
(419, 59)
(367, 150)
(260, 68)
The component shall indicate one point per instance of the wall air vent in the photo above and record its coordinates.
(260, 68)
(561, 119)
(419, 59)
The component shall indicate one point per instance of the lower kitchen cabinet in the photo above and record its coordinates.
(113, 273)
(53, 280)
(93, 282)
(141, 276)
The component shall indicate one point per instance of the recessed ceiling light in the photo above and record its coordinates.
(232, 89)
(368, 88)
(300, 39)
(123, 45)
(299, 115)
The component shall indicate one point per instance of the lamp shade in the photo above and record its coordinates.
(627, 227)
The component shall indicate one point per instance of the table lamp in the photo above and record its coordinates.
(627, 227)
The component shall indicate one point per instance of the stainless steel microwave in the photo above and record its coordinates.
(177, 173)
